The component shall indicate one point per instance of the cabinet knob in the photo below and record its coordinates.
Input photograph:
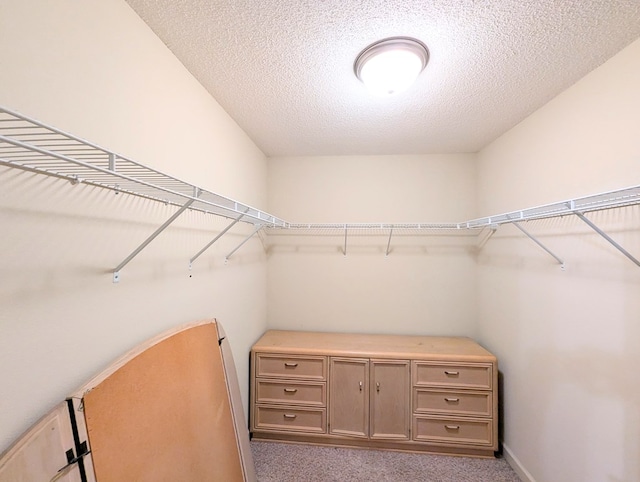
(360, 386)
(377, 386)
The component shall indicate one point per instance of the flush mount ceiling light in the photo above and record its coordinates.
(391, 65)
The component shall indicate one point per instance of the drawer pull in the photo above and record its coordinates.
(451, 373)
(360, 384)
(377, 386)
(290, 365)
(290, 416)
(290, 390)
(452, 427)
(451, 400)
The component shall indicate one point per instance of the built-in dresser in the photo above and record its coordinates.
(417, 393)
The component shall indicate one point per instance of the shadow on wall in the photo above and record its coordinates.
(569, 341)
(58, 235)
(585, 253)
(593, 395)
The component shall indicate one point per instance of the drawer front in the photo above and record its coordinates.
(284, 419)
(465, 403)
(452, 375)
(453, 430)
(290, 392)
(282, 366)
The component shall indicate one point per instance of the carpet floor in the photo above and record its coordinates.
(285, 462)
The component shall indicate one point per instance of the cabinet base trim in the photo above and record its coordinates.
(373, 444)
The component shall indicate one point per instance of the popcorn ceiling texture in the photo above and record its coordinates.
(284, 70)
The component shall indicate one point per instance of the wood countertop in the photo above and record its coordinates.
(372, 346)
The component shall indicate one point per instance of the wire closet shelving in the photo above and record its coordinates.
(33, 146)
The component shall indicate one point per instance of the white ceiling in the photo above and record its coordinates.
(284, 69)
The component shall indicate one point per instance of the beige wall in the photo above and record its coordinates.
(425, 285)
(95, 70)
(568, 341)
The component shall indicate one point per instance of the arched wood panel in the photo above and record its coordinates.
(165, 414)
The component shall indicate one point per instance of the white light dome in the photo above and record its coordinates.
(391, 65)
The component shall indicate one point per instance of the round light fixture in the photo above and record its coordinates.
(391, 65)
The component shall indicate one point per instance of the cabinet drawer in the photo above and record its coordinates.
(453, 430)
(282, 366)
(465, 403)
(290, 392)
(452, 375)
(290, 420)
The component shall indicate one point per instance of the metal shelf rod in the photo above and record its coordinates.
(487, 237)
(257, 228)
(222, 233)
(535, 240)
(389, 242)
(345, 241)
(116, 272)
(607, 237)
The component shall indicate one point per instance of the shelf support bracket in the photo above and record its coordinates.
(116, 272)
(344, 251)
(257, 228)
(389, 243)
(607, 237)
(222, 233)
(535, 240)
(492, 230)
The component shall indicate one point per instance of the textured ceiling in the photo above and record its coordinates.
(284, 69)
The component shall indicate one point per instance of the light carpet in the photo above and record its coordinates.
(287, 462)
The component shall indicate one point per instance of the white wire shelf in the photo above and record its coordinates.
(373, 229)
(607, 200)
(33, 146)
(30, 145)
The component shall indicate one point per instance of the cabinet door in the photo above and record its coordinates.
(349, 397)
(390, 392)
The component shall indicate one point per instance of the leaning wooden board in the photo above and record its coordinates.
(164, 411)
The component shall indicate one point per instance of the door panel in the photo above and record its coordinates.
(390, 391)
(349, 397)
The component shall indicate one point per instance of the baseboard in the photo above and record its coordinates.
(516, 465)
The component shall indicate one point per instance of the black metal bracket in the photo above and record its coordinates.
(81, 448)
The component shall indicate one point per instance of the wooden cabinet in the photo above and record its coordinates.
(435, 394)
(454, 403)
(369, 398)
(289, 393)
